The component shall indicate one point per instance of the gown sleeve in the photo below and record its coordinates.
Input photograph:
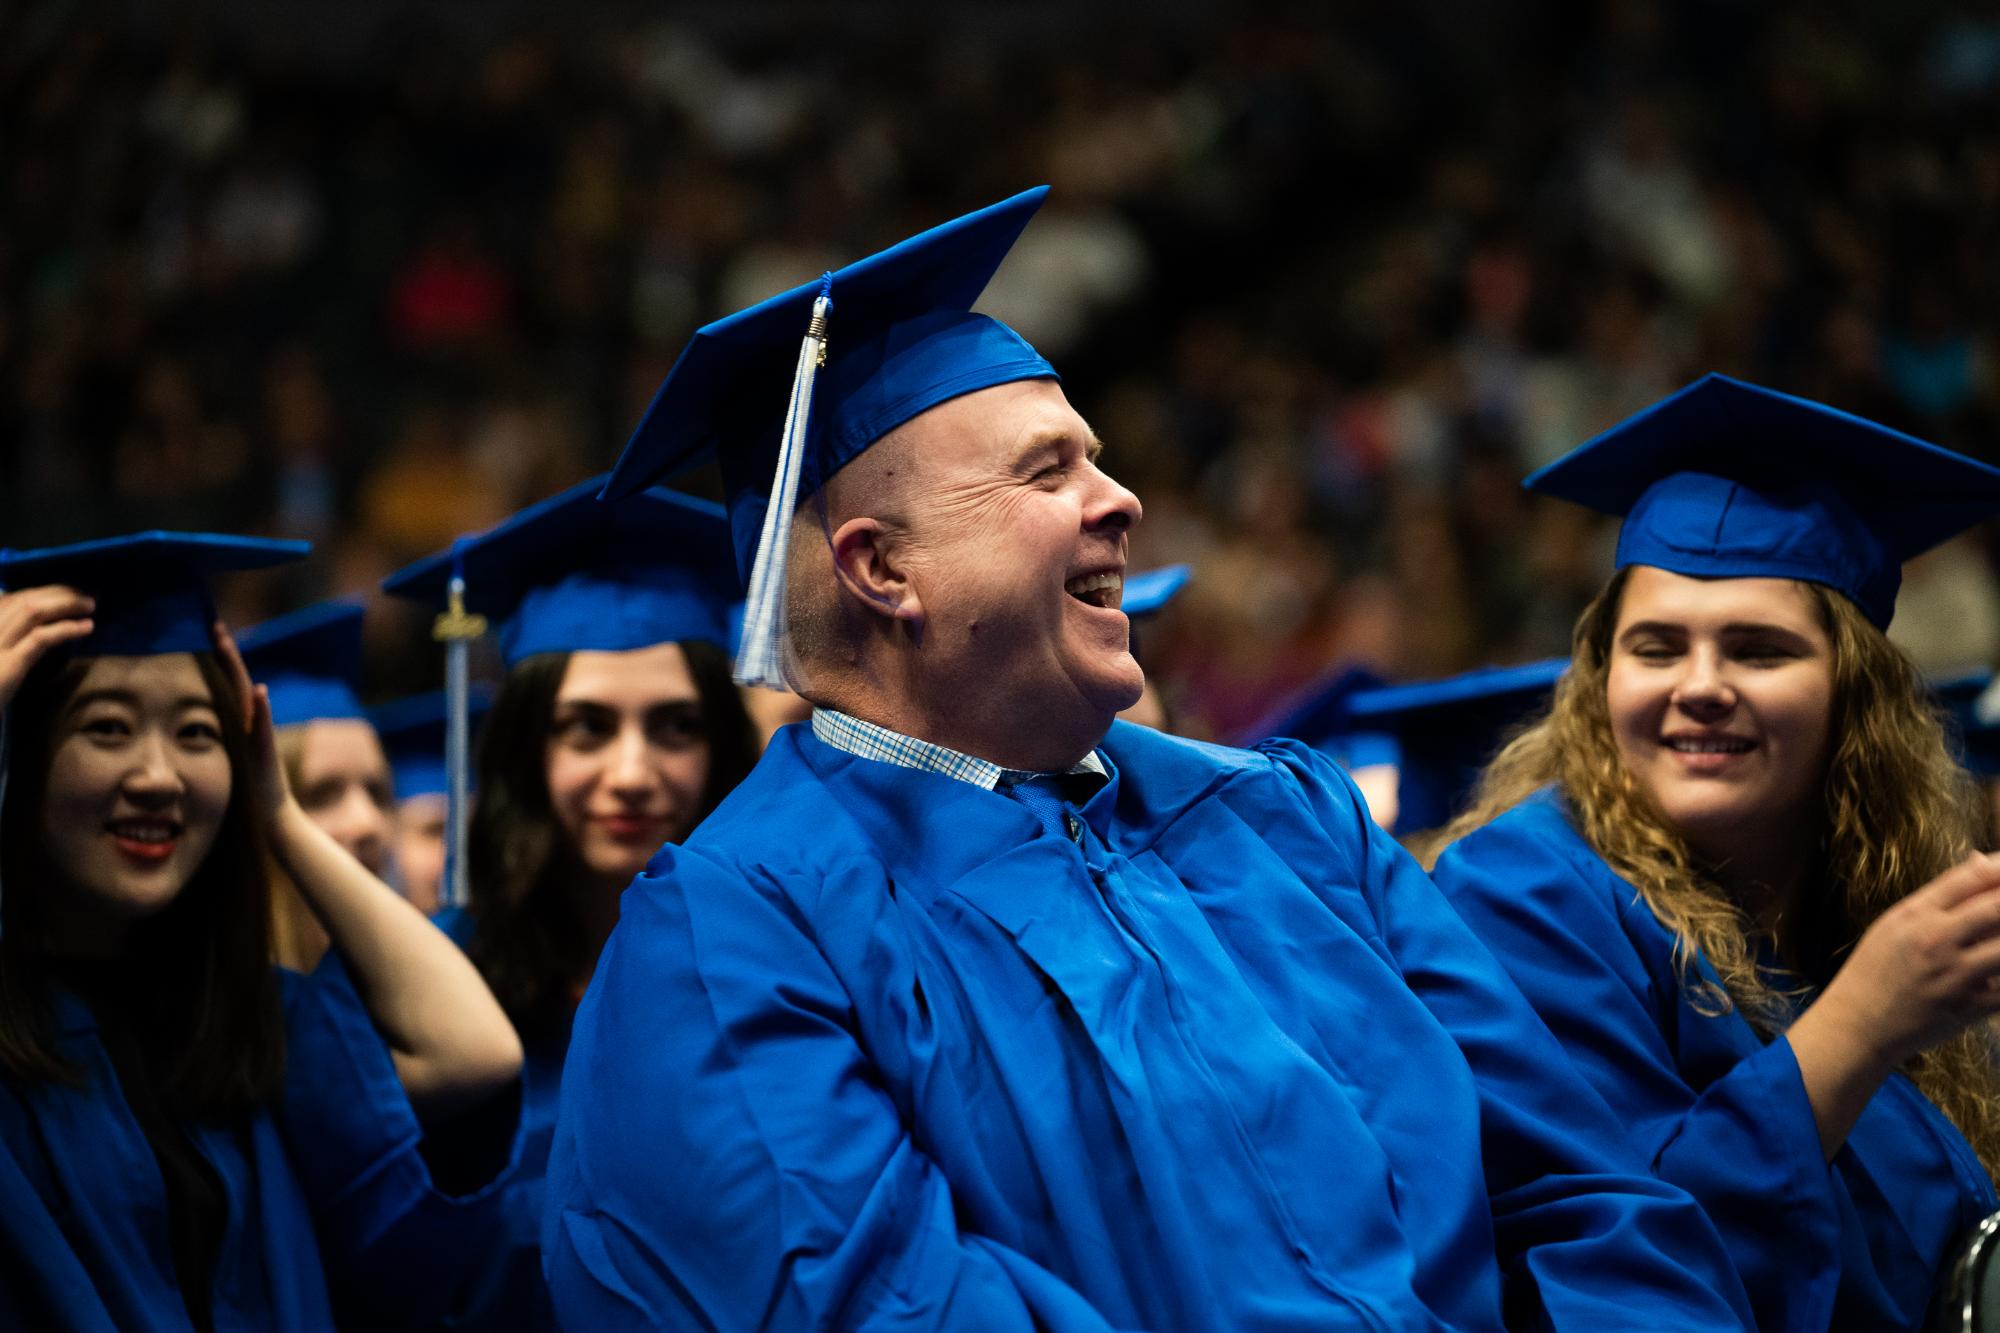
(726, 1156)
(42, 1283)
(1745, 1146)
(1585, 1236)
(398, 1245)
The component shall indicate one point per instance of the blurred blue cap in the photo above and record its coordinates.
(575, 573)
(1446, 731)
(1728, 480)
(413, 736)
(1317, 715)
(310, 661)
(1438, 734)
(1148, 594)
(901, 339)
(151, 587)
(1971, 704)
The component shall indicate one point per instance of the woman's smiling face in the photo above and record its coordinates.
(1721, 701)
(139, 781)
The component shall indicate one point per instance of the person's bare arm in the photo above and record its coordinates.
(451, 1042)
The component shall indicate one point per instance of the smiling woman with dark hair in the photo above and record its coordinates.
(616, 730)
(188, 1136)
(1733, 867)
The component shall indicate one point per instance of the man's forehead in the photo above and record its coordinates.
(1005, 418)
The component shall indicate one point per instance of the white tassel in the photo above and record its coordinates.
(761, 659)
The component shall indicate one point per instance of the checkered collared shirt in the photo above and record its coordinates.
(892, 747)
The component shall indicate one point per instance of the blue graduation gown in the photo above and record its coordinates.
(510, 1292)
(331, 1206)
(1855, 1244)
(872, 1051)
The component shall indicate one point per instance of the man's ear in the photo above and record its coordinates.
(865, 561)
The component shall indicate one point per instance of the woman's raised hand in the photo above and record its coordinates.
(33, 621)
(268, 789)
(1928, 966)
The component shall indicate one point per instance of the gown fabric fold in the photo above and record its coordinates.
(872, 1050)
(333, 1216)
(508, 1292)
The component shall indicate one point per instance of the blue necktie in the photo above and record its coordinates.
(1052, 797)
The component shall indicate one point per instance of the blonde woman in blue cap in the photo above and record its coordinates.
(190, 1138)
(615, 730)
(1734, 867)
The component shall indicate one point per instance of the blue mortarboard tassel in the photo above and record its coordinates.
(760, 660)
(456, 628)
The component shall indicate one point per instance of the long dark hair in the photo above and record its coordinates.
(529, 940)
(215, 1024)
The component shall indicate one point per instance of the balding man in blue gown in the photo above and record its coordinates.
(971, 1009)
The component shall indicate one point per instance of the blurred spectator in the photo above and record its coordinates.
(1328, 280)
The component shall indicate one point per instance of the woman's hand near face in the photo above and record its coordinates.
(451, 1042)
(1926, 969)
(32, 622)
(269, 792)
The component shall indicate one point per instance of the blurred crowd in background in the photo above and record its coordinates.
(1328, 280)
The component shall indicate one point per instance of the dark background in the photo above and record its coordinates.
(1328, 278)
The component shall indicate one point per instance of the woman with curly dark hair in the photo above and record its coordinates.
(1734, 866)
(616, 730)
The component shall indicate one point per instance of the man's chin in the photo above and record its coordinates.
(1119, 689)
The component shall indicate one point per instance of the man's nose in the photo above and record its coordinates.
(1112, 507)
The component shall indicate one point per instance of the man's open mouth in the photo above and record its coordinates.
(1102, 590)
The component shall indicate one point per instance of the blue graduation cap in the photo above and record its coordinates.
(1728, 480)
(1147, 594)
(413, 736)
(861, 351)
(574, 573)
(1446, 731)
(1317, 714)
(310, 661)
(1438, 734)
(1971, 704)
(151, 588)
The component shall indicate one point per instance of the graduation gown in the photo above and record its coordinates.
(870, 1050)
(509, 1291)
(331, 1203)
(1854, 1244)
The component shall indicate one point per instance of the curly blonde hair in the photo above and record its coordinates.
(1899, 812)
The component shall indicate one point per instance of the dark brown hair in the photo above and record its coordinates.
(529, 939)
(206, 957)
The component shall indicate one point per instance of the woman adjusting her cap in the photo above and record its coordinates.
(188, 1135)
(309, 662)
(1733, 865)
